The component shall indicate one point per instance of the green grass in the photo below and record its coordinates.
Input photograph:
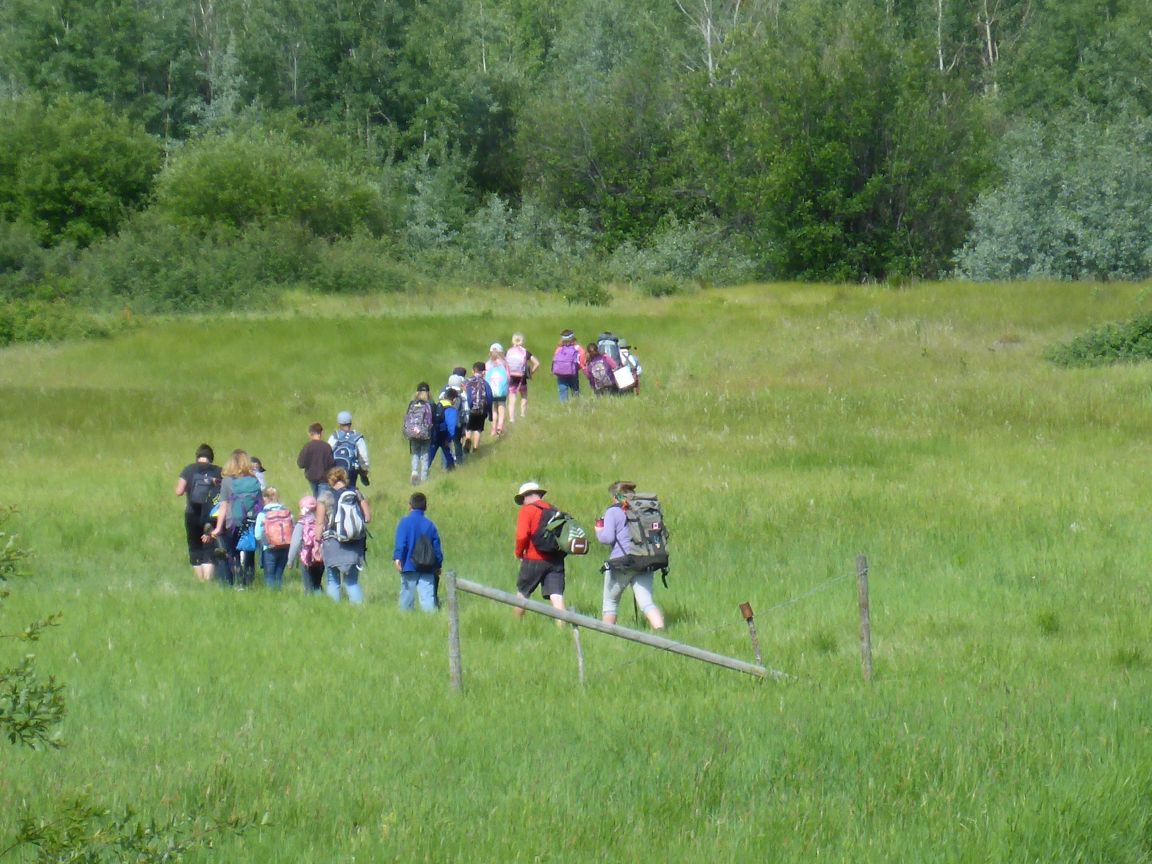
(1001, 502)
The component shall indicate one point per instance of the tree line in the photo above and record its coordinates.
(567, 143)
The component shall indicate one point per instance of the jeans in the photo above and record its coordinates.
(569, 386)
(319, 489)
(275, 560)
(422, 584)
(419, 450)
(457, 449)
(444, 445)
(313, 578)
(351, 585)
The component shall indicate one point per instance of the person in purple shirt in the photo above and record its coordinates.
(612, 531)
(417, 579)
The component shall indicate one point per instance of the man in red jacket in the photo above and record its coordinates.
(537, 569)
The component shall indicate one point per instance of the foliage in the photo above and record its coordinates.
(1075, 202)
(248, 178)
(71, 169)
(678, 251)
(1127, 342)
(49, 321)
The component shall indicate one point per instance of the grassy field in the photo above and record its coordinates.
(1002, 504)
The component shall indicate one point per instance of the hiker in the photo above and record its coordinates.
(236, 520)
(522, 365)
(599, 369)
(609, 345)
(628, 359)
(349, 450)
(274, 531)
(537, 569)
(496, 374)
(612, 531)
(456, 382)
(344, 515)
(305, 549)
(199, 483)
(567, 360)
(420, 429)
(316, 459)
(478, 395)
(417, 556)
(447, 428)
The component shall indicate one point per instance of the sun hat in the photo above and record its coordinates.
(567, 335)
(623, 343)
(622, 486)
(496, 346)
(456, 382)
(527, 489)
(307, 503)
(343, 418)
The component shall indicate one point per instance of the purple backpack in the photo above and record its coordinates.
(566, 360)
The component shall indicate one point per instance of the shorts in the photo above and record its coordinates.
(518, 386)
(546, 575)
(476, 421)
(499, 400)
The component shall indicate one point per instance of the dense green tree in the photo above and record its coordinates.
(73, 168)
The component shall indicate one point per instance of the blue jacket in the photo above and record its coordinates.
(407, 530)
(449, 417)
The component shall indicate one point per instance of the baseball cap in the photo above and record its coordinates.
(344, 418)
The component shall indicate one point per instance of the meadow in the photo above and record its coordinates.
(1001, 502)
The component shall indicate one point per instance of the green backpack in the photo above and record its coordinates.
(559, 532)
(647, 532)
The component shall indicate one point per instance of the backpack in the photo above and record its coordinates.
(311, 551)
(278, 528)
(419, 421)
(244, 502)
(600, 374)
(344, 453)
(610, 345)
(205, 487)
(476, 394)
(497, 378)
(424, 555)
(647, 533)
(566, 360)
(517, 358)
(559, 533)
(347, 520)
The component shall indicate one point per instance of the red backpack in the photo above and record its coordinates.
(278, 528)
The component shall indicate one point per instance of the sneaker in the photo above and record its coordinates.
(415, 479)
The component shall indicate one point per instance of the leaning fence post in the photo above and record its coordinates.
(865, 616)
(746, 611)
(579, 652)
(454, 665)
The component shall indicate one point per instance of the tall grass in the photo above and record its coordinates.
(1001, 502)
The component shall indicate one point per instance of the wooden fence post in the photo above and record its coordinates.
(579, 652)
(454, 666)
(865, 615)
(746, 611)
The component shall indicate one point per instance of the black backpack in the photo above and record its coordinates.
(558, 533)
(205, 486)
(424, 555)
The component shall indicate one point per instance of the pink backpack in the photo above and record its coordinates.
(517, 359)
(310, 552)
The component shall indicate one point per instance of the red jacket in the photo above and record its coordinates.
(527, 521)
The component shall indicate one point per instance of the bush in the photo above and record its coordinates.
(248, 179)
(72, 169)
(39, 321)
(682, 252)
(1129, 342)
(358, 266)
(1075, 203)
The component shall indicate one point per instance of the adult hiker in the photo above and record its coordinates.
(240, 501)
(316, 459)
(522, 365)
(199, 484)
(629, 359)
(418, 556)
(567, 360)
(620, 570)
(543, 570)
(349, 450)
(344, 515)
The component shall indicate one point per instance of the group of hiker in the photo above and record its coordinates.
(234, 517)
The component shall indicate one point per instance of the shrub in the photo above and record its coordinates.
(40, 321)
(1128, 342)
(358, 266)
(1075, 203)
